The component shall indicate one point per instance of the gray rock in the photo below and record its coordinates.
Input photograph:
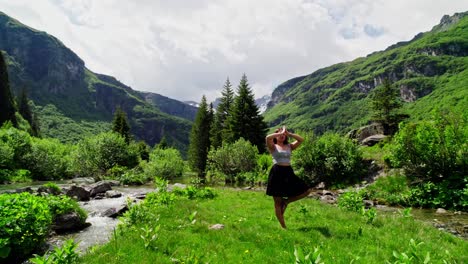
(68, 222)
(79, 193)
(372, 140)
(99, 187)
(114, 212)
(113, 194)
(441, 211)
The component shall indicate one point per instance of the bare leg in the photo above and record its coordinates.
(298, 197)
(279, 210)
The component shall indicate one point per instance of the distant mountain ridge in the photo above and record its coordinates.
(431, 71)
(53, 74)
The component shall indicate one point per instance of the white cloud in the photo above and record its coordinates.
(183, 49)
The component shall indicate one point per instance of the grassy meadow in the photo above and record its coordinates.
(177, 231)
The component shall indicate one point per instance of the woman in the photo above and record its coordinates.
(283, 184)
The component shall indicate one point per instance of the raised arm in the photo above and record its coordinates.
(298, 139)
(269, 140)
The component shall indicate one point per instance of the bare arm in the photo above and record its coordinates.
(298, 139)
(269, 141)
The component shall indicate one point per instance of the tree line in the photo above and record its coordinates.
(237, 116)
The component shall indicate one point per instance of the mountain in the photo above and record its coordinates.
(58, 81)
(431, 71)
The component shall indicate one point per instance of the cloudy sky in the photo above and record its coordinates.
(185, 48)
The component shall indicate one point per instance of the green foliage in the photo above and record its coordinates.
(386, 103)
(25, 220)
(412, 255)
(20, 142)
(433, 156)
(252, 234)
(433, 150)
(164, 163)
(7, 105)
(120, 124)
(49, 159)
(313, 257)
(149, 236)
(220, 128)
(63, 204)
(66, 254)
(194, 192)
(26, 112)
(391, 190)
(94, 156)
(352, 201)
(264, 162)
(245, 120)
(200, 139)
(330, 158)
(232, 160)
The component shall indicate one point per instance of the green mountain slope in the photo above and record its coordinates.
(430, 70)
(68, 95)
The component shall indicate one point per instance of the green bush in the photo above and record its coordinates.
(264, 162)
(25, 220)
(434, 155)
(94, 156)
(17, 140)
(391, 190)
(63, 204)
(352, 201)
(49, 159)
(233, 160)
(331, 158)
(433, 150)
(66, 254)
(164, 163)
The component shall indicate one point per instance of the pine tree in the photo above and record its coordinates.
(246, 121)
(200, 139)
(219, 130)
(7, 106)
(163, 143)
(27, 114)
(120, 124)
(386, 104)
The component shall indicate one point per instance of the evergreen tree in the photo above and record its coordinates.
(220, 130)
(26, 113)
(120, 124)
(200, 139)
(386, 104)
(246, 121)
(7, 106)
(162, 143)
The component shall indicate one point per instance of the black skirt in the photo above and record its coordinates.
(282, 182)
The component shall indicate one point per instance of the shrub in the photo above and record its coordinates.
(66, 254)
(330, 158)
(233, 160)
(392, 190)
(63, 204)
(433, 150)
(95, 155)
(25, 220)
(264, 163)
(351, 200)
(18, 141)
(49, 159)
(434, 155)
(164, 163)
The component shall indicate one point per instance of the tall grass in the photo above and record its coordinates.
(252, 234)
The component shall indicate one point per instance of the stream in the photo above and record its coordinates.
(101, 228)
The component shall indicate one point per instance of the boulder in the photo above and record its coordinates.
(49, 190)
(372, 140)
(114, 212)
(79, 193)
(366, 131)
(113, 194)
(99, 187)
(68, 222)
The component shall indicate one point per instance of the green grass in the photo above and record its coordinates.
(253, 235)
